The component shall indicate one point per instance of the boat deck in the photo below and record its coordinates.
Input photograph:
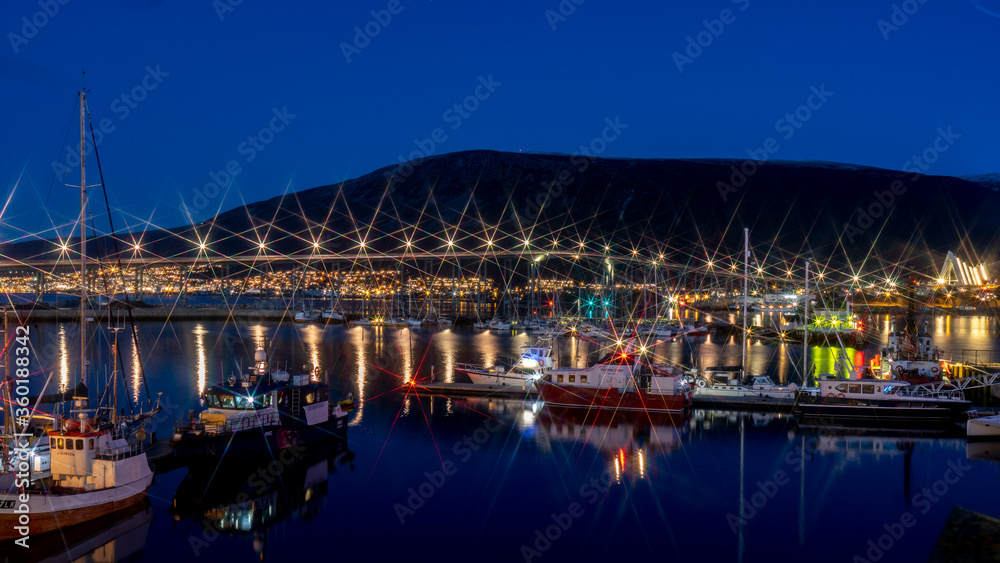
(744, 403)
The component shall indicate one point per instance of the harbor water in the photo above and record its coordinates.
(432, 477)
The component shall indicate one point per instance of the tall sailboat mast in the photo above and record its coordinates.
(83, 241)
(746, 285)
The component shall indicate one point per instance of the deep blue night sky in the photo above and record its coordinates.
(222, 78)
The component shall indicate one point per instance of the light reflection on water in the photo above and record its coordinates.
(201, 365)
(136, 370)
(63, 360)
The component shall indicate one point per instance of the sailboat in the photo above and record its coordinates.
(94, 470)
(729, 385)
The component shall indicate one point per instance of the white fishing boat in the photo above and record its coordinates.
(93, 469)
(533, 363)
(93, 473)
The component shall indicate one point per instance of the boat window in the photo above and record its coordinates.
(59, 444)
(583, 379)
(213, 401)
(868, 389)
(842, 388)
(91, 444)
(228, 402)
(572, 379)
(310, 398)
(559, 378)
(266, 400)
(79, 443)
(854, 388)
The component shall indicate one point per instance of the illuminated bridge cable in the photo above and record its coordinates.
(118, 259)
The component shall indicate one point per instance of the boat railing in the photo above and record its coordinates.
(119, 452)
(249, 422)
(926, 393)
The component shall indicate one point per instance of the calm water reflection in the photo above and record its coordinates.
(446, 479)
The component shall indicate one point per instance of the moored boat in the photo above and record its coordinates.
(308, 316)
(983, 426)
(534, 362)
(263, 410)
(883, 402)
(619, 382)
(93, 473)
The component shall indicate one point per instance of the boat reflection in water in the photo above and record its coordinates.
(237, 498)
(117, 537)
(627, 440)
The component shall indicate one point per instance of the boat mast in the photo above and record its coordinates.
(114, 378)
(746, 285)
(83, 241)
(805, 330)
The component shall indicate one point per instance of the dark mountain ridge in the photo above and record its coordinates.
(689, 209)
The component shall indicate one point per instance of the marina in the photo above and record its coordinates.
(500, 282)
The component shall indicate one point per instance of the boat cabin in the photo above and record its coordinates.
(265, 398)
(860, 388)
(724, 375)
